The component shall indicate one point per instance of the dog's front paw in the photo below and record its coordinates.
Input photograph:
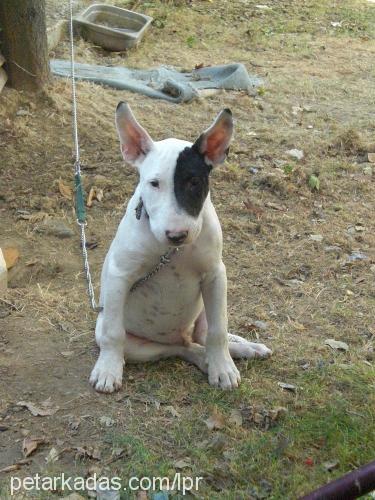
(222, 372)
(107, 374)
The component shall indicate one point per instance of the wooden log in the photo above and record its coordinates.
(24, 43)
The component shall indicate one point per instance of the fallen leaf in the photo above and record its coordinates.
(274, 206)
(94, 194)
(337, 344)
(235, 418)
(215, 421)
(254, 209)
(11, 468)
(67, 354)
(44, 410)
(16, 466)
(371, 157)
(37, 217)
(183, 463)
(30, 444)
(87, 452)
(287, 387)
(65, 190)
(11, 256)
(52, 456)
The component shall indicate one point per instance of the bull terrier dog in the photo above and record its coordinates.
(153, 311)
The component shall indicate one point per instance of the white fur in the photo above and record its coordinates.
(182, 310)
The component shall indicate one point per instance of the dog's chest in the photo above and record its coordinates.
(166, 306)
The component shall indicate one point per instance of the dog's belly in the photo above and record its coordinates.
(165, 308)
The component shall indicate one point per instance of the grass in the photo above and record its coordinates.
(330, 420)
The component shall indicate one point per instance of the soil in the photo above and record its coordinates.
(288, 247)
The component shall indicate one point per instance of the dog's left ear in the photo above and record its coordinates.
(213, 144)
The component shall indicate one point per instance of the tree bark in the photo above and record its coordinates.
(23, 37)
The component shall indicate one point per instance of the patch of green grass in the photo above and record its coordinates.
(330, 419)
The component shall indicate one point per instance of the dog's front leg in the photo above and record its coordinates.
(222, 371)
(110, 334)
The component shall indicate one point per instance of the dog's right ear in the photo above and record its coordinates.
(135, 141)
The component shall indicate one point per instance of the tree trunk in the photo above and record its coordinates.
(23, 38)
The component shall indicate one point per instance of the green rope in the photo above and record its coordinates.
(80, 199)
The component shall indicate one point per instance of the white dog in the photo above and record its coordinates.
(181, 310)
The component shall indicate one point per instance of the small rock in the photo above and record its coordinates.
(55, 227)
(23, 112)
(107, 421)
(295, 153)
(332, 249)
(337, 344)
(287, 387)
(316, 237)
(253, 170)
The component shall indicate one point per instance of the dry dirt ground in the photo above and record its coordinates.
(300, 260)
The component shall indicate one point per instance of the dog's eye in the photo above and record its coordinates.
(154, 184)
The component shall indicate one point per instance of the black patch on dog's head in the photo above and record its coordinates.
(191, 180)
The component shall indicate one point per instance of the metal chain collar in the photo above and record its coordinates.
(164, 261)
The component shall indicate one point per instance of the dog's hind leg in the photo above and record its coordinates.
(238, 346)
(142, 350)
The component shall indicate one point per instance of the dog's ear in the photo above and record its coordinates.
(213, 144)
(135, 141)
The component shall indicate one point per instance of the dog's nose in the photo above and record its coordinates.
(176, 237)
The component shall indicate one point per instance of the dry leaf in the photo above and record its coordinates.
(11, 256)
(183, 463)
(274, 206)
(30, 444)
(11, 468)
(87, 452)
(337, 344)
(44, 410)
(236, 418)
(94, 194)
(215, 421)
(52, 456)
(371, 157)
(65, 190)
(254, 209)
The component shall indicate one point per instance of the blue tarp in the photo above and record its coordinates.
(163, 82)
